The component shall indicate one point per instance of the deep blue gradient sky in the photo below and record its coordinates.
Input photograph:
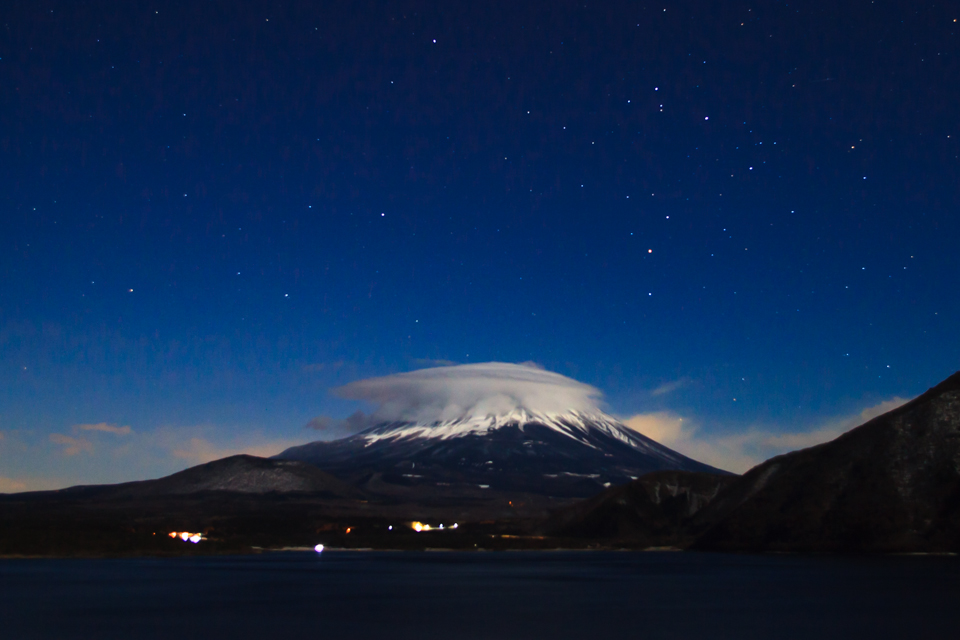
(212, 213)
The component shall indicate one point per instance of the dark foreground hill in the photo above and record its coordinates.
(244, 502)
(239, 474)
(652, 511)
(890, 485)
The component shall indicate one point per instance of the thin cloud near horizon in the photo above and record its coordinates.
(71, 446)
(104, 427)
(740, 451)
(670, 387)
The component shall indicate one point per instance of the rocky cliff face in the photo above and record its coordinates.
(892, 484)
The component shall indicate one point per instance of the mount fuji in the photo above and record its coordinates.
(562, 454)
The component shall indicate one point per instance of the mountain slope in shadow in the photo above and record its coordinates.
(890, 485)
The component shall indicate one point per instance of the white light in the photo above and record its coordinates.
(195, 538)
(318, 548)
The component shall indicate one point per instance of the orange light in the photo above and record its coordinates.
(187, 536)
(348, 529)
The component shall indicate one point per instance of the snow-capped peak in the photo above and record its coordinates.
(572, 424)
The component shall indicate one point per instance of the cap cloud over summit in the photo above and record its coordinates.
(497, 426)
(447, 393)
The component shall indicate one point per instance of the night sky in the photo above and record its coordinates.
(211, 214)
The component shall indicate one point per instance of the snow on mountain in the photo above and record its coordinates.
(572, 424)
(559, 454)
(492, 425)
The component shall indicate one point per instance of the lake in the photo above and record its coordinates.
(550, 595)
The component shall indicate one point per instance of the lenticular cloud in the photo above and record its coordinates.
(472, 390)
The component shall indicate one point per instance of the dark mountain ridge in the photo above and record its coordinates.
(652, 511)
(236, 474)
(891, 484)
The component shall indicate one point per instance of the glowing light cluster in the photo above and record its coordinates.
(187, 536)
(420, 526)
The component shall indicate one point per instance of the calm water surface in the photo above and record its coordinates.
(551, 595)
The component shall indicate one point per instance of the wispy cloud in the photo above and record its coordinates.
(670, 387)
(74, 445)
(9, 485)
(333, 428)
(95, 453)
(103, 427)
(743, 450)
(201, 450)
(71, 446)
(34, 483)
